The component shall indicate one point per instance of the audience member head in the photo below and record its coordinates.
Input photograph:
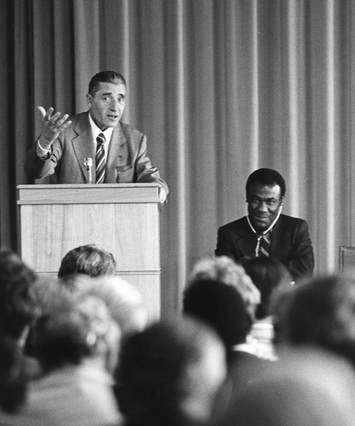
(88, 259)
(267, 274)
(225, 270)
(221, 307)
(74, 331)
(294, 392)
(123, 300)
(169, 373)
(17, 298)
(13, 381)
(105, 77)
(321, 312)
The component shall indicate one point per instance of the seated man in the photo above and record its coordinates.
(93, 146)
(265, 231)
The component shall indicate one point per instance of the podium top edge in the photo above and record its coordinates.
(87, 185)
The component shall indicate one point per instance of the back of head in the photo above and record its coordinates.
(221, 307)
(88, 259)
(60, 337)
(265, 177)
(123, 300)
(105, 77)
(294, 393)
(267, 274)
(166, 371)
(223, 269)
(73, 331)
(321, 312)
(17, 297)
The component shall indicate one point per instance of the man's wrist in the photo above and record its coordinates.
(42, 151)
(44, 144)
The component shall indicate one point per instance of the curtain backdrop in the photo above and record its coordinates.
(220, 87)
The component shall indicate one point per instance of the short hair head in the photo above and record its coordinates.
(71, 332)
(105, 77)
(321, 312)
(265, 177)
(223, 269)
(88, 259)
(221, 307)
(123, 300)
(18, 307)
(163, 366)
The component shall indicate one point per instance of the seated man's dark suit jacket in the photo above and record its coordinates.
(127, 159)
(290, 243)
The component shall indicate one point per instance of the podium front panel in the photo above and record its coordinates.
(55, 220)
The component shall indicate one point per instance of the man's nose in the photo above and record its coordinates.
(114, 104)
(263, 206)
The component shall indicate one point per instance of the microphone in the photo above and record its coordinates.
(88, 167)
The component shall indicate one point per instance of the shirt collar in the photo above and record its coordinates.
(96, 130)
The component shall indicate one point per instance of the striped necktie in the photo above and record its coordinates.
(264, 243)
(100, 159)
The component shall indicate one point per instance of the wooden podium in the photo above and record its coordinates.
(121, 218)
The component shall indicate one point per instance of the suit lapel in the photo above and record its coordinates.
(117, 153)
(246, 240)
(83, 146)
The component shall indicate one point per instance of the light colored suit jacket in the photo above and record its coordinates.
(127, 159)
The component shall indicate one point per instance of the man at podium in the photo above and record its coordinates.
(93, 146)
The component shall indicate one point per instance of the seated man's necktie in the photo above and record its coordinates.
(263, 245)
(100, 159)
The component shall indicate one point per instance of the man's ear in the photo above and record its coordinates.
(89, 99)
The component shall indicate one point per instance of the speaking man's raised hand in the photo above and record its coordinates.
(53, 123)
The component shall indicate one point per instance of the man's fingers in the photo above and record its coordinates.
(53, 122)
(49, 113)
(64, 126)
(55, 117)
(42, 111)
(62, 120)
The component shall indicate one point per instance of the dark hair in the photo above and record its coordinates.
(221, 307)
(151, 375)
(105, 77)
(89, 260)
(267, 273)
(264, 177)
(17, 295)
(321, 312)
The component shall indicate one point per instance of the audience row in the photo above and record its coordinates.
(249, 348)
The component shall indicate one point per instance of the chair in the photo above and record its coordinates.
(346, 258)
